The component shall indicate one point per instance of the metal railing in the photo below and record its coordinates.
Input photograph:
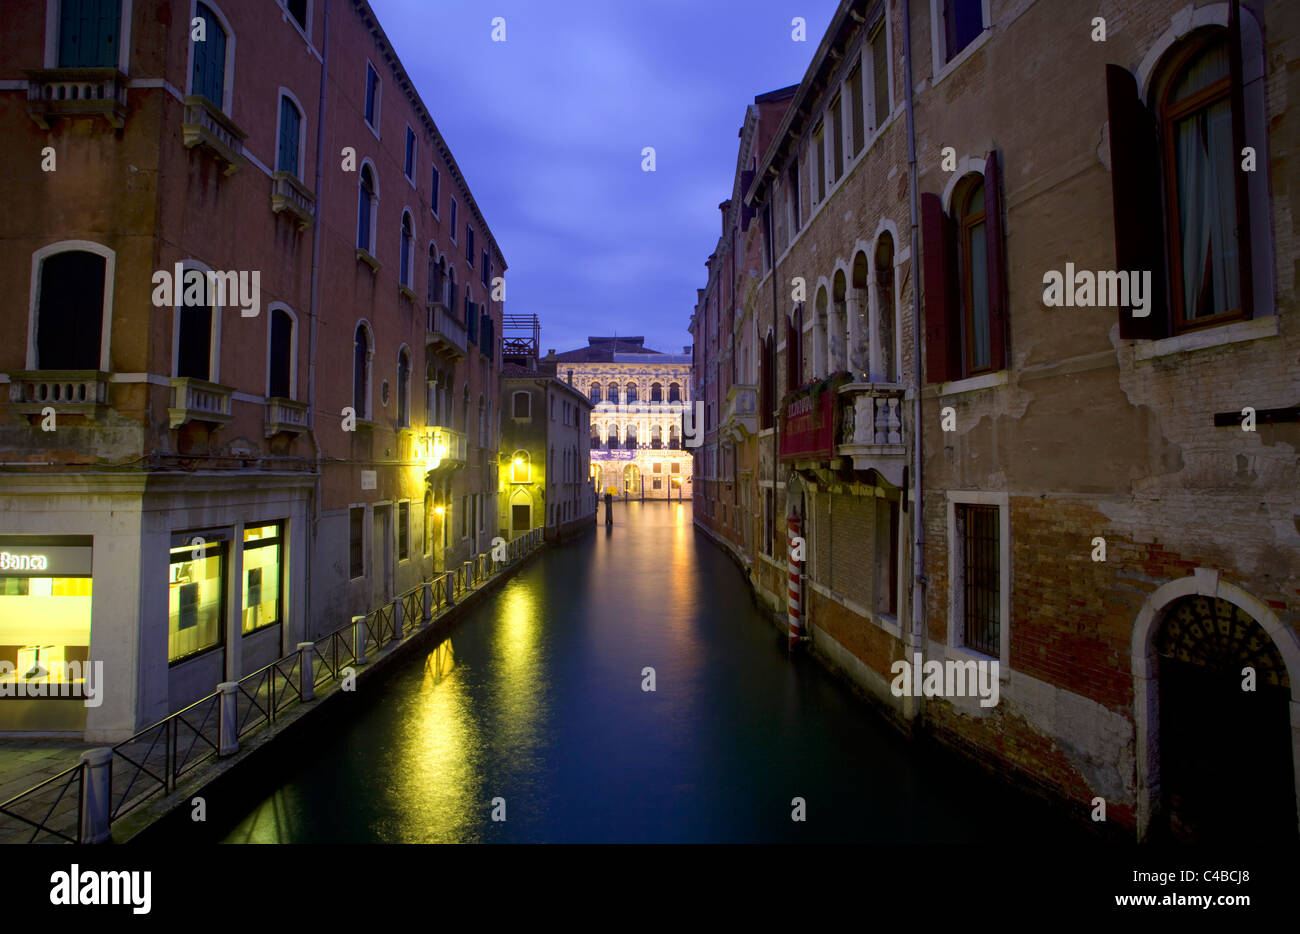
(153, 761)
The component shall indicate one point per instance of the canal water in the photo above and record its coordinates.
(536, 700)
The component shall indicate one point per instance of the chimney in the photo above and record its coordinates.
(687, 350)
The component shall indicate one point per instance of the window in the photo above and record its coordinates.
(403, 530)
(484, 272)
(657, 483)
(836, 118)
(408, 251)
(471, 318)
(885, 308)
(817, 165)
(520, 468)
(361, 354)
(656, 392)
(298, 10)
(595, 393)
(287, 150)
(451, 289)
(768, 519)
(372, 97)
(428, 522)
(433, 194)
(263, 575)
(409, 167)
(521, 405)
(856, 135)
(356, 542)
(658, 465)
(453, 220)
(674, 392)
(979, 592)
(280, 367)
(195, 595)
(435, 286)
(469, 245)
(631, 392)
(613, 392)
(367, 209)
(880, 95)
(194, 329)
(70, 307)
(965, 275)
(482, 423)
(676, 467)
(88, 33)
(208, 76)
(963, 20)
(404, 389)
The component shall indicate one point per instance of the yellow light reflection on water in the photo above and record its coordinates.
(519, 679)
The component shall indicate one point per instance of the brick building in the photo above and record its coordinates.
(1107, 497)
(231, 272)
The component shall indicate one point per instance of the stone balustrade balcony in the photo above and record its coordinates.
(70, 392)
(292, 197)
(444, 332)
(197, 400)
(285, 416)
(205, 125)
(872, 429)
(76, 92)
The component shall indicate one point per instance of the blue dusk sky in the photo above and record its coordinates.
(549, 125)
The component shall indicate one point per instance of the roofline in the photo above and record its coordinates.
(371, 20)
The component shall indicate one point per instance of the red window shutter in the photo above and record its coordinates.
(1135, 191)
(1238, 143)
(940, 297)
(996, 256)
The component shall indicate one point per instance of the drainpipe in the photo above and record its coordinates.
(313, 316)
(918, 526)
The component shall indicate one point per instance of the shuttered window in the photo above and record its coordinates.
(286, 159)
(209, 78)
(281, 355)
(88, 33)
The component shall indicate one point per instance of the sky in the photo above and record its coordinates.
(548, 128)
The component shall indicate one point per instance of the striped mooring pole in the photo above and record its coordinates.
(793, 609)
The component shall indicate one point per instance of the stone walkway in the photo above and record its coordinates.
(27, 762)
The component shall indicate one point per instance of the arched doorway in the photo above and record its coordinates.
(1225, 755)
(632, 480)
(1215, 762)
(521, 513)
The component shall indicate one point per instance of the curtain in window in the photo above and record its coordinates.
(1207, 212)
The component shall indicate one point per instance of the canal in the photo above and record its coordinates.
(536, 698)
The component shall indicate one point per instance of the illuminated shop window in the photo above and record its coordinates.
(263, 576)
(196, 588)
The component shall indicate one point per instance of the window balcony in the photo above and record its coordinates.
(68, 392)
(441, 449)
(292, 197)
(76, 92)
(205, 125)
(740, 412)
(444, 333)
(284, 416)
(871, 428)
(197, 400)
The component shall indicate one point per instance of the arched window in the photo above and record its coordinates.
(367, 206)
(594, 442)
(837, 337)
(965, 315)
(404, 388)
(972, 267)
(656, 436)
(885, 311)
(436, 273)
(521, 405)
(408, 251)
(288, 152)
(520, 468)
(197, 319)
(820, 323)
(451, 289)
(860, 310)
(631, 392)
(595, 393)
(631, 435)
(674, 392)
(280, 365)
(613, 392)
(656, 392)
(675, 435)
(208, 76)
(1207, 265)
(73, 294)
(361, 354)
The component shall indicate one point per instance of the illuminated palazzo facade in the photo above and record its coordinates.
(638, 397)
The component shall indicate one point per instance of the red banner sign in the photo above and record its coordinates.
(808, 429)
